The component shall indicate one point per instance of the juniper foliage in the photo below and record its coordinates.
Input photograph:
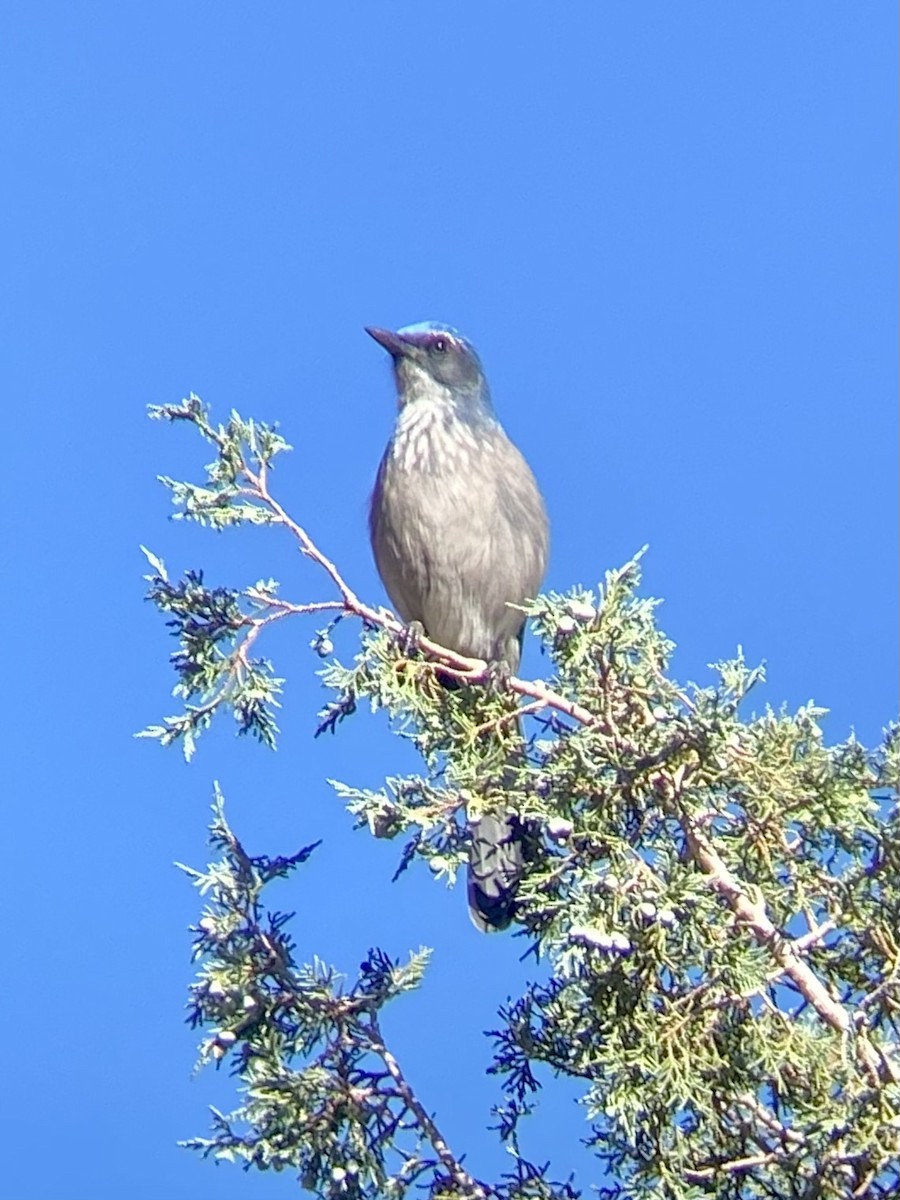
(717, 896)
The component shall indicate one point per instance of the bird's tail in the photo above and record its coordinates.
(496, 859)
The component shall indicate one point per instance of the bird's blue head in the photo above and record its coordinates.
(435, 363)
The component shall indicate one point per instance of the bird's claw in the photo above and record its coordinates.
(410, 637)
(497, 676)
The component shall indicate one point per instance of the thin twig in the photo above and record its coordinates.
(737, 1166)
(454, 1168)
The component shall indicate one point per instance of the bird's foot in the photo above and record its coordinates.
(497, 676)
(410, 636)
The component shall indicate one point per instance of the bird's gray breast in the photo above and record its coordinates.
(459, 531)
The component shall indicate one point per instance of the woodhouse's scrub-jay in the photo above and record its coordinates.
(459, 533)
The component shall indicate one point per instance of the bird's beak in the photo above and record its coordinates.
(392, 342)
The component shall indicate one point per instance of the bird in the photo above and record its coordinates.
(460, 536)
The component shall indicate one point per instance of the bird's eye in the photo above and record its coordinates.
(440, 345)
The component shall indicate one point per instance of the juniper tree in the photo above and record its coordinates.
(716, 894)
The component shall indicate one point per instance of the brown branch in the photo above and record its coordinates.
(538, 690)
(770, 1121)
(286, 608)
(790, 1141)
(737, 1166)
(451, 1164)
(752, 913)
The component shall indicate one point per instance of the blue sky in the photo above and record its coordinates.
(668, 228)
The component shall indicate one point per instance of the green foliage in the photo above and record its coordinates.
(717, 897)
(241, 446)
(215, 631)
(217, 626)
(322, 1094)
